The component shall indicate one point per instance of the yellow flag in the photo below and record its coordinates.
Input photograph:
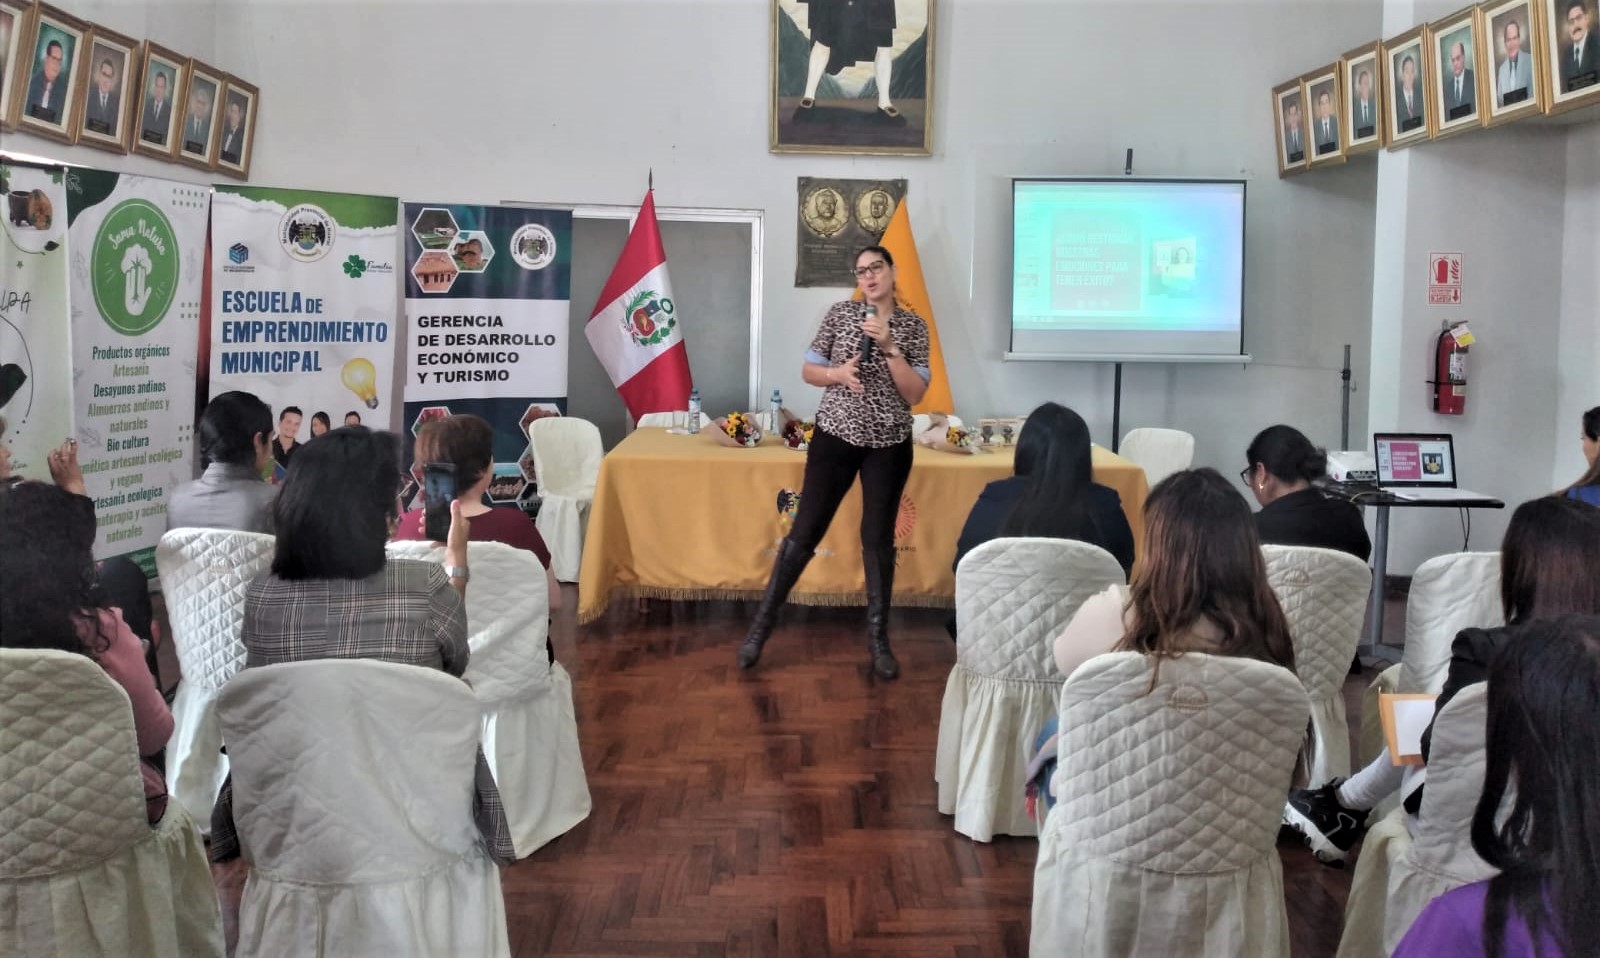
(912, 293)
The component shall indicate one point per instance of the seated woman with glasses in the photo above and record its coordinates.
(1283, 466)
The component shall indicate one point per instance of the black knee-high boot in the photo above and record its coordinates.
(786, 571)
(879, 565)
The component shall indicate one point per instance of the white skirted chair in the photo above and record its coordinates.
(1159, 452)
(204, 575)
(566, 464)
(530, 732)
(1013, 596)
(353, 795)
(82, 872)
(1324, 596)
(1163, 838)
(1448, 593)
(1406, 863)
(663, 420)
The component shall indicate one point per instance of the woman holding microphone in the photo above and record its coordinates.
(871, 359)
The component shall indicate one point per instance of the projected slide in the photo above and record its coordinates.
(1127, 266)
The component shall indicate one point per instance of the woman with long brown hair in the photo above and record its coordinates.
(1587, 488)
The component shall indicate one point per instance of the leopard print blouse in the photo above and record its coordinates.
(878, 416)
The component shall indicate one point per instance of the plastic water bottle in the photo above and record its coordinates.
(775, 412)
(694, 411)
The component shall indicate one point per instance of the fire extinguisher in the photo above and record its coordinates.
(1450, 370)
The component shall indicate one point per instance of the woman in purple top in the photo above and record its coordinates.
(1543, 735)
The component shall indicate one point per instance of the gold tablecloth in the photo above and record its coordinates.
(682, 517)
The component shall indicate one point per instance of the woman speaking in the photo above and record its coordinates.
(871, 358)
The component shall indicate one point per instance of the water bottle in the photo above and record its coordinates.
(775, 412)
(694, 411)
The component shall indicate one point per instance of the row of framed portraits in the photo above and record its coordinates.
(1482, 66)
(78, 82)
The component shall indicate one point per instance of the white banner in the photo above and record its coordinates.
(35, 345)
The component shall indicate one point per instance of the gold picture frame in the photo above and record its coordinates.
(1455, 94)
(16, 25)
(1322, 119)
(161, 83)
(48, 103)
(105, 114)
(1288, 113)
(1511, 60)
(1571, 80)
(1405, 69)
(201, 105)
(1361, 72)
(827, 61)
(234, 155)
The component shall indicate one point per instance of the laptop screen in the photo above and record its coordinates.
(1414, 459)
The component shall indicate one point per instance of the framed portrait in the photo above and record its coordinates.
(53, 68)
(1288, 119)
(202, 105)
(160, 85)
(1453, 45)
(852, 76)
(1572, 73)
(1509, 59)
(105, 119)
(16, 23)
(237, 137)
(1359, 73)
(1404, 67)
(1323, 108)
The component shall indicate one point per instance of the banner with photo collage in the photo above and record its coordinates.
(137, 249)
(303, 306)
(35, 346)
(487, 297)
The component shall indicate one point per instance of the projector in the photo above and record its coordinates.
(1352, 465)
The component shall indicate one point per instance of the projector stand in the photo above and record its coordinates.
(1116, 408)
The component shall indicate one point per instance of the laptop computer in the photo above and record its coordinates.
(1418, 466)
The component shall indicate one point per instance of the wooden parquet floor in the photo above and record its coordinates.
(790, 811)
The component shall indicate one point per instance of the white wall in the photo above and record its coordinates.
(1578, 386)
(188, 27)
(570, 101)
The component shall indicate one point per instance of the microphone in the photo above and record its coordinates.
(866, 341)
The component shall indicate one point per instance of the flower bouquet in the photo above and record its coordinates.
(796, 434)
(943, 436)
(738, 429)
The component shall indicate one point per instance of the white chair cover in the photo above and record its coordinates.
(352, 792)
(1448, 593)
(921, 422)
(82, 872)
(566, 464)
(1413, 862)
(1159, 452)
(204, 574)
(1013, 596)
(530, 732)
(1324, 595)
(1163, 840)
(663, 420)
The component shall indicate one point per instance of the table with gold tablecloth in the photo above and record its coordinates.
(682, 517)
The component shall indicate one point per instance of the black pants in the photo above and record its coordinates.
(831, 468)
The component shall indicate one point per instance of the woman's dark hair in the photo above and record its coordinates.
(1591, 428)
(47, 567)
(1053, 456)
(332, 512)
(1543, 736)
(321, 417)
(1550, 560)
(1202, 560)
(1287, 454)
(229, 426)
(887, 256)
(466, 442)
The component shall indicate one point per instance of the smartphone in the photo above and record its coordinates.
(438, 490)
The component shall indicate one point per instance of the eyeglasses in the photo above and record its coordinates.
(871, 269)
(1244, 474)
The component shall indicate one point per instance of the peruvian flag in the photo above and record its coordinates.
(635, 330)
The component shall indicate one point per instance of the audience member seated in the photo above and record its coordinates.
(52, 600)
(236, 446)
(467, 443)
(1202, 587)
(1283, 464)
(1542, 736)
(1548, 564)
(1587, 488)
(333, 592)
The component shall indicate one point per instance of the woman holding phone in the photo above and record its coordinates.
(871, 359)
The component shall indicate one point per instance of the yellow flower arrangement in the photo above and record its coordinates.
(797, 433)
(958, 437)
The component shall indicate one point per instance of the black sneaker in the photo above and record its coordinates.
(1327, 826)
